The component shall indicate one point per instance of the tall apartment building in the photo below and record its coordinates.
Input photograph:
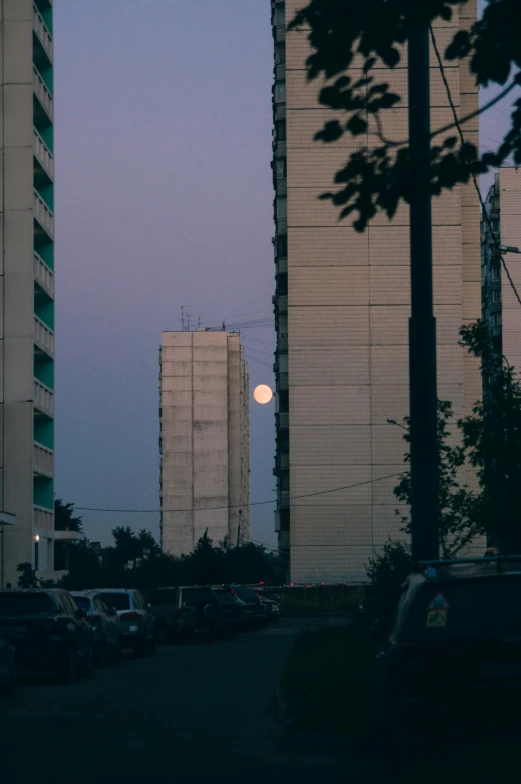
(342, 305)
(27, 285)
(204, 439)
(501, 311)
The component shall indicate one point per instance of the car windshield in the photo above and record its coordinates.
(83, 602)
(246, 594)
(120, 601)
(191, 596)
(225, 597)
(476, 609)
(25, 604)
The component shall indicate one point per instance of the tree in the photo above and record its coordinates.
(28, 578)
(378, 176)
(492, 439)
(386, 573)
(459, 520)
(65, 519)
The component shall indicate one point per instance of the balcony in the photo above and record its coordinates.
(282, 382)
(280, 149)
(283, 540)
(282, 461)
(43, 94)
(43, 461)
(282, 266)
(280, 34)
(282, 188)
(43, 398)
(43, 155)
(43, 276)
(282, 421)
(43, 337)
(42, 33)
(283, 499)
(283, 344)
(43, 520)
(43, 216)
(282, 304)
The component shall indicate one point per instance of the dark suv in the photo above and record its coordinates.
(252, 610)
(452, 653)
(184, 611)
(48, 632)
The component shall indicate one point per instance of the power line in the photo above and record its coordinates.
(237, 506)
(474, 179)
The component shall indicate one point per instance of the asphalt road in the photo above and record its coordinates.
(191, 713)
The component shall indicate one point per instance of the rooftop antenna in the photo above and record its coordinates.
(183, 308)
(223, 326)
(199, 323)
(188, 317)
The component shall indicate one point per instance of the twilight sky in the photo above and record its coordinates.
(163, 198)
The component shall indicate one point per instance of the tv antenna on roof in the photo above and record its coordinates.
(185, 324)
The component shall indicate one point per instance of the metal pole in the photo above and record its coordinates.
(422, 324)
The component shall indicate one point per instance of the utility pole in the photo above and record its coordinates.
(422, 324)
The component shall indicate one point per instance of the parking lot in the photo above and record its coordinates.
(190, 713)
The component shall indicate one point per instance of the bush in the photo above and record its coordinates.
(386, 573)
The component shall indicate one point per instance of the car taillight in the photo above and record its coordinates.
(93, 619)
(130, 616)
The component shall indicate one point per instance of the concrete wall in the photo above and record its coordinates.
(17, 290)
(349, 303)
(509, 187)
(201, 401)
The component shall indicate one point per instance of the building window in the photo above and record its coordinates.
(282, 285)
(496, 295)
(282, 208)
(280, 54)
(280, 128)
(280, 16)
(283, 363)
(280, 92)
(280, 168)
(496, 273)
(282, 245)
(496, 319)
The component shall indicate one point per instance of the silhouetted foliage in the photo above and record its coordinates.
(64, 518)
(459, 521)
(386, 573)
(28, 578)
(363, 37)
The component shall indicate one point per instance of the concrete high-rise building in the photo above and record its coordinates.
(204, 439)
(27, 285)
(501, 310)
(342, 305)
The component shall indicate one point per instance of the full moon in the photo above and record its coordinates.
(262, 394)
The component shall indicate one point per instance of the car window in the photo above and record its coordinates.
(120, 601)
(225, 597)
(98, 605)
(193, 596)
(246, 594)
(83, 602)
(466, 609)
(25, 604)
(70, 604)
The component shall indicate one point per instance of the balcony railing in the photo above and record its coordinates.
(42, 93)
(283, 382)
(283, 421)
(42, 32)
(282, 304)
(43, 520)
(280, 34)
(43, 337)
(282, 461)
(43, 460)
(283, 539)
(43, 214)
(282, 343)
(43, 155)
(43, 398)
(43, 275)
(282, 265)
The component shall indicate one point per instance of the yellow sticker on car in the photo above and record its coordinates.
(436, 619)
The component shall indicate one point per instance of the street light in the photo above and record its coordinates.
(509, 249)
(394, 422)
(36, 541)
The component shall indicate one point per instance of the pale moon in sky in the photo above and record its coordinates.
(262, 394)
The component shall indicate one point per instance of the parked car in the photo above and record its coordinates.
(104, 622)
(231, 611)
(7, 668)
(136, 622)
(186, 611)
(270, 608)
(252, 611)
(451, 654)
(48, 632)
